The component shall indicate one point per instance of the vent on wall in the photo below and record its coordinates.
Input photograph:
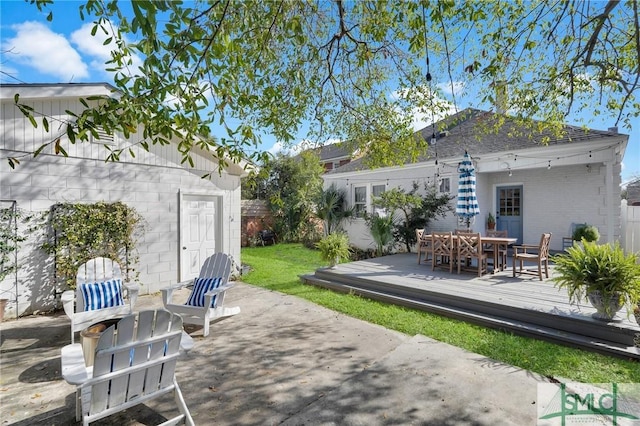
(102, 138)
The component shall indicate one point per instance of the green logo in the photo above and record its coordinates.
(603, 404)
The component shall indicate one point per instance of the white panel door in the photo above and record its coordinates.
(200, 232)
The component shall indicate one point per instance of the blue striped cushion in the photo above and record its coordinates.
(200, 287)
(100, 295)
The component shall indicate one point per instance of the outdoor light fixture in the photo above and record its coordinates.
(510, 174)
(549, 165)
(433, 140)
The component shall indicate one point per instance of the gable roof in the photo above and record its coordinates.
(469, 131)
(333, 151)
(33, 91)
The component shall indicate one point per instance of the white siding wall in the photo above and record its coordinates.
(553, 199)
(150, 183)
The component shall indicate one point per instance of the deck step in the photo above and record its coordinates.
(579, 331)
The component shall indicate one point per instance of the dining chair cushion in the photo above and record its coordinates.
(100, 295)
(200, 287)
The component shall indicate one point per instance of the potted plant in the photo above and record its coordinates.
(600, 273)
(334, 248)
(491, 222)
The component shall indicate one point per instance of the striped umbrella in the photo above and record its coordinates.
(467, 205)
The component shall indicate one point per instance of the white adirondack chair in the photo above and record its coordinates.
(134, 362)
(93, 299)
(206, 301)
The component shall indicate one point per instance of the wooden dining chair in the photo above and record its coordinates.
(442, 253)
(469, 247)
(532, 253)
(423, 245)
(502, 249)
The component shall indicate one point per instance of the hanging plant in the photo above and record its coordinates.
(79, 232)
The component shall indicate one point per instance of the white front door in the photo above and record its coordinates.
(200, 231)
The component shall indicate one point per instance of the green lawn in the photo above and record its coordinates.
(278, 268)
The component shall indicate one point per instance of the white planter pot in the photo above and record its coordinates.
(607, 307)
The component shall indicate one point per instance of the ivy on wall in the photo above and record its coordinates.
(9, 240)
(79, 232)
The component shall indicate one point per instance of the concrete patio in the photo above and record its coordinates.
(283, 361)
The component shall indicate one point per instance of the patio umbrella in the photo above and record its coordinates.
(467, 205)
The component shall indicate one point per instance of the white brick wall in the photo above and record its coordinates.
(38, 183)
(553, 199)
(149, 182)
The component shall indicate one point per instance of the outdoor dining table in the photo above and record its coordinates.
(496, 242)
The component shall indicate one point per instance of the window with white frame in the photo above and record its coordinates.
(445, 185)
(376, 191)
(360, 200)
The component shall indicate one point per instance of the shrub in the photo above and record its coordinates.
(334, 248)
(586, 232)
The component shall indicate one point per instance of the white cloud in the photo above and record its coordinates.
(452, 88)
(297, 148)
(35, 45)
(94, 47)
(277, 147)
(91, 45)
(421, 119)
(424, 116)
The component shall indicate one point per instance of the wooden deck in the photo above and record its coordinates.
(523, 305)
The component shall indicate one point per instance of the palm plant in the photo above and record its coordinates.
(381, 228)
(332, 209)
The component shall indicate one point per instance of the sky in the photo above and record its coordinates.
(35, 50)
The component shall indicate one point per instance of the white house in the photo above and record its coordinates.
(530, 183)
(187, 217)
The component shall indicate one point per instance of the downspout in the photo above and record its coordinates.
(611, 181)
(610, 219)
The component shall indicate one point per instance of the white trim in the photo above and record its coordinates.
(57, 90)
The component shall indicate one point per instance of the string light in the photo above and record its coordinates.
(538, 163)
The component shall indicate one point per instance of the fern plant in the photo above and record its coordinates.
(598, 267)
(334, 248)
